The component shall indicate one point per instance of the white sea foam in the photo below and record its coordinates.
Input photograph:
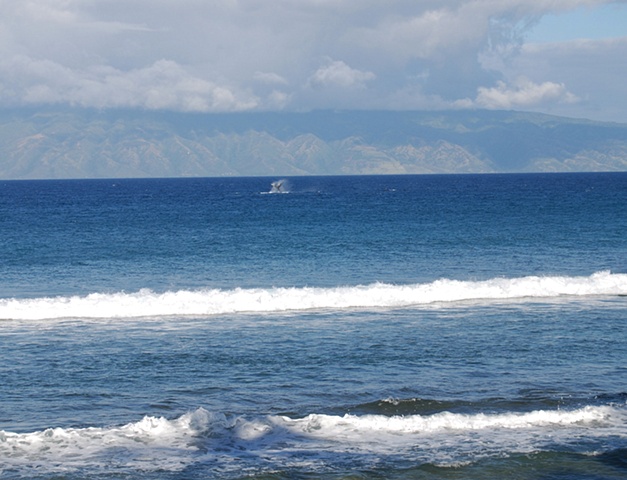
(146, 303)
(160, 444)
(357, 426)
(151, 443)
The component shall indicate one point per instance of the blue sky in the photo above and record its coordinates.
(604, 21)
(562, 57)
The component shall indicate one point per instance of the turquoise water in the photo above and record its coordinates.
(350, 327)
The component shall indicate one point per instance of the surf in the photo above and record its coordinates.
(158, 443)
(206, 302)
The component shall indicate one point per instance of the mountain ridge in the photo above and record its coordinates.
(83, 143)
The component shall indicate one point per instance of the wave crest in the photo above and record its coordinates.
(156, 443)
(146, 303)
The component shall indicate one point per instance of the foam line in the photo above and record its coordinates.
(446, 422)
(146, 303)
(156, 442)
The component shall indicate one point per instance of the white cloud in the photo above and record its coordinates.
(162, 85)
(398, 39)
(270, 78)
(196, 55)
(523, 93)
(590, 69)
(338, 74)
(276, 100)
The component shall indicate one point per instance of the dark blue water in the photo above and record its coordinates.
(351, 327)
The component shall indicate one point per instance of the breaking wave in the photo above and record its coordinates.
(156, 443)
(147, 303)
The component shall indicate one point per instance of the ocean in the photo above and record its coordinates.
(357, 327)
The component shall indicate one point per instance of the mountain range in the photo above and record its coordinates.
(82, 143)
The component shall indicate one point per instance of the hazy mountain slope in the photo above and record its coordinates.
(91, 144)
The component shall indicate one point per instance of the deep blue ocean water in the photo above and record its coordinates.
(407, 327)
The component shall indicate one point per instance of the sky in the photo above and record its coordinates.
(562, 57)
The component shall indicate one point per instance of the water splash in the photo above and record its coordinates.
(280, 186)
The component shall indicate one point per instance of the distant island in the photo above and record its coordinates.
(82, 143)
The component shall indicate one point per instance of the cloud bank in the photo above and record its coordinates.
(235, 55)
(523, 93)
